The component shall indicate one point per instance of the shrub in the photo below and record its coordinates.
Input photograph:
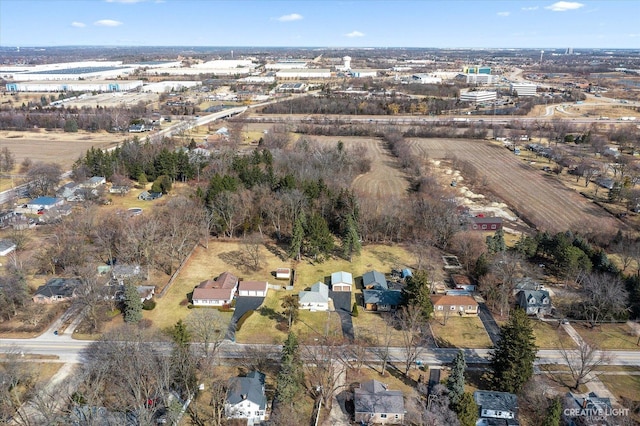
(354, 310)
(184, 302)
(148, 305)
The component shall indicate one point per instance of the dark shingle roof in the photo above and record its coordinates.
(374, 397)
(62, 287)
(374, 279)
(497, 401)
(382, 297)
(250, 388)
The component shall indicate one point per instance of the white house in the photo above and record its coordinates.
(218, 292)
(246, 398)
(317, 299)
(253, 288)
(6, 247)
(341, 281)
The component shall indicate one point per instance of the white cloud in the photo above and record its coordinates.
(107, 23)
(289, 18)
(563, 6)
(354, 34)
(504, 13)
(78, 24)
(528, 9)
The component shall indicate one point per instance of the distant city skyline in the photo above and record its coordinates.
(384, 23)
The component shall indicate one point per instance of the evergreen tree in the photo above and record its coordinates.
(142, 179)
(351, 240)
(511, 361)
(291, 309)
(455, 382)
(467, 410)
(183, 363)
(318, 236)
(132, 304)
(354, 309)
(70, 125)
(180, 334)
(290, 378)
(417, 292)
(554, 413)
(495, 243)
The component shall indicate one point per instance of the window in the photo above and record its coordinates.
(439, 307)
(397, 416)
(484, 226)
(383, 415)
(452, 307)
(493, 226)
(470, 308)
(462, 308)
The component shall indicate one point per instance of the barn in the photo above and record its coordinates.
(253, 288)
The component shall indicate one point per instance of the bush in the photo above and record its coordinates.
(148, 305)
(184, 302)
(354, 311)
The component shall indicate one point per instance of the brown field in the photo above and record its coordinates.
(55, 146)
(536, 198)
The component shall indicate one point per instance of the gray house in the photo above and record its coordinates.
(246, 398)
(375, 403)
(56, 290)
(534, 302)
(497, 407)
(374, 280)
(381, 300)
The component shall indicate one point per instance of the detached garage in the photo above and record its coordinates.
(341, 281)
(253, 288)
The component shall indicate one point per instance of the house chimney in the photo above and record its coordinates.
(584, 403)
(243, 396)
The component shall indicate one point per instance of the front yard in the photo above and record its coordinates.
(461, 332)
(550, 336)
(609, 336)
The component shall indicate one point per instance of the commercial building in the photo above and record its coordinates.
(304, 73)
(524, 89)
(478, 96)
(426, 79)
(363, 73)
(481, 78)
(74, 86)
(476, 70)
(286, 65)
(170, 86)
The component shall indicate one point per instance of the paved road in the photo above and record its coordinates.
(342, 305)
(493, 330)
(244, 304)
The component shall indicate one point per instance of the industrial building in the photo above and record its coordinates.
(425, 79)
(478, 96)
(74, 86)
(476, 70)
(524, 89)
(286, 65)
(304, 73)
(363, 73)
(169, 86)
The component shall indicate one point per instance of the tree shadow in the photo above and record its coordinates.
(395, 372)
(234, 258)
(276, 251)
(271, 313)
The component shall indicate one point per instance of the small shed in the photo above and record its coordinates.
(283, 273)
(6, 247)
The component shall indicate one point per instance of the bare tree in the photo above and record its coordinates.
(468, 245)
(410, 321)
(43, 178)
(325, 370)
(252, 245)
(210, 412)
(583, 362)
(604, 297)
(209, 327)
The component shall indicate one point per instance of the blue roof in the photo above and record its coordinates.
(45, 201)
(382, 297)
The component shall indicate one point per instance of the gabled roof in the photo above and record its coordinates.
(249, 388)
(375, 280)
(446, 300)
(319, 293)
(497, 401)
(226, 280)
(382, 297)
(341, 277)
(374, 397)
(252, 285)
(62, 287)
(533, 298)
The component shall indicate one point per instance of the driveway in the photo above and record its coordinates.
(244, 304)
(342, 305)
(490, 324)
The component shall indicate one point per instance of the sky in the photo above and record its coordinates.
(328, 23)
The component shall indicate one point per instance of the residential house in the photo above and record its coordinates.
(6, 247)
(119, 189)
(374, 280)
(68, 191)
(253, 288)
(44, 203)
(497, 407)
(218, 292)
(485, 223)
(316, 299)
(341, 281)
(461, 305)
(382, 300)
(588, 410)
(375, 403)
(246, 398)
(125, 272)
(93, 182)
(462, 282)
(149, 196)
(56, 290)
(146, 292)
(534, 302)
(526, 283)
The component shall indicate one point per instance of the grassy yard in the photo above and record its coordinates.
(375, 327)
(609, 336)
(626, 388)
(393, 379)
(549, 336)
(461, 332)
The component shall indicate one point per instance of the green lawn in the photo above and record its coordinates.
(461, 332)
(609, 336)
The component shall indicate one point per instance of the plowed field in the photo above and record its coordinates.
(536, 197)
